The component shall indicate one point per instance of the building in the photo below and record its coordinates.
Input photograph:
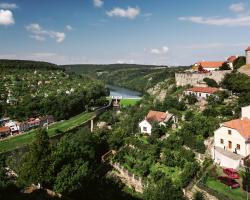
(13, 126)
(155, 117)
(248, 55)
(231, 60)
(201, 92)
(33, 122)
(4, 132)
(207, 66)
(232, 141)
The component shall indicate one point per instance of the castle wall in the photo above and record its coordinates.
(196, 79)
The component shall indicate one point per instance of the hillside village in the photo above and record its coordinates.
(192, 141)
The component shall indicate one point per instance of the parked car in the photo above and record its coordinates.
(232, 173)
(229, 181)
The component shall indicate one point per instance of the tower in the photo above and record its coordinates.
(248, 55)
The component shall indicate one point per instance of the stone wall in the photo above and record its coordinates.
(247, 57)
(196, 79)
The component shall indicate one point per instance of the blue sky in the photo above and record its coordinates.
(167, 32)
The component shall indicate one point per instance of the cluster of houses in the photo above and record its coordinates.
(231, 148)
(10, 127)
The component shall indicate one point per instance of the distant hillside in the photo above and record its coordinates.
(27, 64)
(132, 76)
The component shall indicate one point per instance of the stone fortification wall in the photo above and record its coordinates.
(196, 79)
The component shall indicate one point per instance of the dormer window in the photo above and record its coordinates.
(229, 132)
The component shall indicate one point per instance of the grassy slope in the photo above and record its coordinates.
(129, 102)
(62, 126)
(232, 194)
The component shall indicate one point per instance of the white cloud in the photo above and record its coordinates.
(41, 34)
(130, 12)
(98, 3)
(6, 18)
(237, 7)
(69, 28)
(219, 21)
(159, 51)
(8, 6)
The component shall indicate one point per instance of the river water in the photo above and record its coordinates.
(124, 92)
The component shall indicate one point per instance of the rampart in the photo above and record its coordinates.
(196, 79)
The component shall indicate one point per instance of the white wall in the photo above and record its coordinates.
(247, 57)
(245, 112)
(199, 95)
(225, 161)
(210, 69)
(235, 138)
(147, 125)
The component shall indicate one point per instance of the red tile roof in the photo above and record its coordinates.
(156, 116)
(248, 49)
(210, 64)
(241, 125)
(4, 129)
(209, 90)
(231, 58)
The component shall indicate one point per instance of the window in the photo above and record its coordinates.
(229, 144)
(144, 128)
(221, 141)
(238, 147)
(200, 94)
(229, 132)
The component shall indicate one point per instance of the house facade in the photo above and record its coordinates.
(4, 132)
(155, 117)
(232, 141)
(207, 66)
(201, 92)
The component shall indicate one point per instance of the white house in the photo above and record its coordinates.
(232, 141)
(201, 92)
(155, 116)
(13, 126)
(207, 65)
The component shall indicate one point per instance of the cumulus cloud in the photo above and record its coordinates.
(40, 34)
(130, 12)
(9, 6)
(159, 51)
(69, 28)
(237, 7)
(98, 3)
(6, 18)
(220, 21)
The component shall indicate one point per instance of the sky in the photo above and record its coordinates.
(160, 32)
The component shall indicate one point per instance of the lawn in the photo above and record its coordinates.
(55, 129)
(129, 102)
(232, 194)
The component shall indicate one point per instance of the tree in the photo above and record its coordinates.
(225, 66)
(210, 82)
(199, 196)
(34, 168)
(246, 180)
(192, 99)
(239, 62)
(163, 190)
(3, 174)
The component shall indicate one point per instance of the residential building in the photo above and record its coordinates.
(13, 126)
(155, 117)
(231, 60)
(201, 92)
(207, 66)
(4, 132)
(232, 141)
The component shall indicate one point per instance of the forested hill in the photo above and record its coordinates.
(22, 64)
(32, 89)
(136, 77)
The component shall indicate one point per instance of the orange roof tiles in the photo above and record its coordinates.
(156, 116)
(4, 129)
(209, 90)
(210, 64)
(231, 58)
(241, 125)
